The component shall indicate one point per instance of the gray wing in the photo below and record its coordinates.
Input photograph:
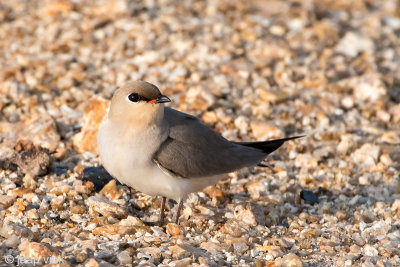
(194, 150)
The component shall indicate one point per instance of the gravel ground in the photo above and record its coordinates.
(252, 70)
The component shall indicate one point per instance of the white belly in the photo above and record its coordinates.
(128, 158)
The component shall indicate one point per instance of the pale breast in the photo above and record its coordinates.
(125, 153)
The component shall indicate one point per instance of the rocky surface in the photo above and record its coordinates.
(249, 69)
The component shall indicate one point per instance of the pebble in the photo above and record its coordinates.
(214, 192)
(369, 88)
(93, 113)
(199, 98)
(154, 252)
(291, 260)
(6, 201)
(353, 43)
(309, 196)
(181, 263)
(174, 229)
(245, 214)
(391, 137)
(106, 208)
(36, 250)
(12, 242)
(110, 190)
(124, 258)
(367, 154)
(370, 251)
(265, 131)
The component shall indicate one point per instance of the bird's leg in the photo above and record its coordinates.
(178, 212)
(162, 215)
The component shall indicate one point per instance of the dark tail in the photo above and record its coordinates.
(268, 146)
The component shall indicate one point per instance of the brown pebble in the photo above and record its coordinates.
(94, 111)
(174, 229)
(214, 193)
(341, 215)
(78, 209)
(110, 189)
(291, 260)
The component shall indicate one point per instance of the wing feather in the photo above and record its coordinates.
(195, 150)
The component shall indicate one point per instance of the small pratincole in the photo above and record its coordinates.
(163, 152)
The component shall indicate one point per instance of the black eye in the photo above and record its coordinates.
(134, 97)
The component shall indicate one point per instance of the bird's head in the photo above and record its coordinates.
(138, 103)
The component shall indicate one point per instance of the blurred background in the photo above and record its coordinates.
(252, 70)
(298, 65)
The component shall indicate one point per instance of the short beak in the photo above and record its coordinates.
(162, 99)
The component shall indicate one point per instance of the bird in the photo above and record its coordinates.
(163, 152)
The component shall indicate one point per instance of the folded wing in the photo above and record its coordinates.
(194, 150)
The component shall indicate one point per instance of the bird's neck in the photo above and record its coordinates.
(140, 121)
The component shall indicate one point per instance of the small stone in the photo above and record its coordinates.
(178, 252)
(7, 229)
(245, 214)
(214, 193)
(236, 228)
(174, 229)
(353, 43)
(80, 255)
(6, 201)
(390, 137)
(209, 117)
(32, 214)
(124, 258)
(55, 8)
(90, 244)
(369, 88)
(240, 248)
(341, 215)
(265, 130)
(277, 30)
(106, 208)
(94, 111)
(132, 221)
(370, 250)
(91, 263)
(35, 161)
(181, 263)
(36, 250)
(41, 131)
(153, 252)
(306, 160)
(396, 205)
(378, 229)
(242, 123)
(347, 102)
(385, 159)
(20, 192)
(395, 113)
(309, 196)
(200, 98)
(383, 116)
(110, 190)
(346, 143)
(291, 260)
(57, 203)
(12, 242)
(367, 154)
(77, 209)
(113, 229)
(21, 205)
